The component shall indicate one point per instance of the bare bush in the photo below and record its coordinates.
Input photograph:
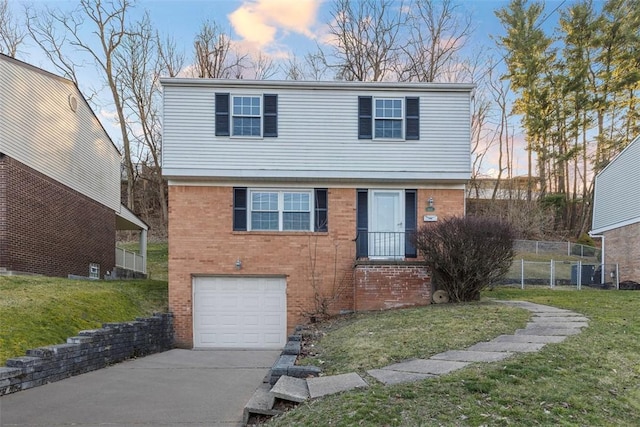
(466, 255)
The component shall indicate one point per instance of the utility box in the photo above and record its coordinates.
(586, 278)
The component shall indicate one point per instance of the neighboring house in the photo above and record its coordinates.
(59, 179)
(291, 199)
(616, 212)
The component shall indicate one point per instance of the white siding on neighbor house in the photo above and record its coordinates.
(617, 191)
(317, 135)
(38, 128)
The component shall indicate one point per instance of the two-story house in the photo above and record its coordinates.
(59, 179)
(290, 199)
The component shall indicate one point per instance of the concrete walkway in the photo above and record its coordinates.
(174, 388)
(547, 325)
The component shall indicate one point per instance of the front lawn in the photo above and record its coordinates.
(590, 379)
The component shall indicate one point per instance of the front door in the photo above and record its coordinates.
(386, 231)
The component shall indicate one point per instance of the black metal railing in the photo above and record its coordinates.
(385, 244)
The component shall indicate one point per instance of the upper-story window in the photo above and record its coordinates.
(246, 115)
(388, 118)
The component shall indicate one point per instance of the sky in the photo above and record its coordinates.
(278, 28)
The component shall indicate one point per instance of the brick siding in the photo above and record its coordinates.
(48, 228)
(622, 247)
(381, 287)
(201, 242)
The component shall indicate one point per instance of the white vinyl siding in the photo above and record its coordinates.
(617, 191)
(39, 129)
(317, 135)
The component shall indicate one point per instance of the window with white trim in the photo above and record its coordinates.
(246, 116)
(388, 118)
(281, 210)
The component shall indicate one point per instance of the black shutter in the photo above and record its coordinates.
(222, 114)
(239, 209)
(411, 223)
(412, 109)
(270, 116)
(362, 224)
(321, 218)
(365, 120)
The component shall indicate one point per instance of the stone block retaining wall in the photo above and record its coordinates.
(90, 350)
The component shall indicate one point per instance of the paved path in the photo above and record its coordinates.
(547, 325)
(174, 388)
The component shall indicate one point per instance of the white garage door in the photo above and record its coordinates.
(239, 312)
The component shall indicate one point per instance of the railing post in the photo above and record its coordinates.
(521, 273)
(579, 275)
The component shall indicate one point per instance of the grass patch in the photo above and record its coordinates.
(590, 379)
(373, 340)
(38, 311)
(157, 258)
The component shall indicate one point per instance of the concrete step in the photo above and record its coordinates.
(322, 386)
(261, 403)
(291, 389)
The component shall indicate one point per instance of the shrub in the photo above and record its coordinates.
(466, 255)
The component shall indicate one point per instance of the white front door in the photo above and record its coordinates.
(386, 230)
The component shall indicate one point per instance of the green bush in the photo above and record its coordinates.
(466, 255)
(588, 246)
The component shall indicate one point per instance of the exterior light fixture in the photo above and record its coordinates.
(238, 264)
(430, 207)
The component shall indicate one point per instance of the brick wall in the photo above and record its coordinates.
(48, 228)
(201, 242)
(381, 287)
(622, 246)
(90, 350)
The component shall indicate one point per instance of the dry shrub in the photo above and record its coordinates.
(466, 255)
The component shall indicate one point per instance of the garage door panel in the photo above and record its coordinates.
(251, 320)
(239, 312)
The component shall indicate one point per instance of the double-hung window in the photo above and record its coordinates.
(251, 116)
(388, 118)
(247, 116)
(281, 210)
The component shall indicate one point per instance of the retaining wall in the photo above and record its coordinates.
(88, 351)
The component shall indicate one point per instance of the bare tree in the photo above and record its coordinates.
(312, 67)
(214, 56)
(138, 65)
(171, 59)
(57, 32)
(437, 35)
(11, 32)
(367, 38)
(262, 66)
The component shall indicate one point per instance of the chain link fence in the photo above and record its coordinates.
(559, 248)
(559, 274)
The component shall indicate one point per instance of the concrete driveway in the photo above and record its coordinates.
(174, 388)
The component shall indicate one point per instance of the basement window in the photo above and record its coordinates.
(94, 270)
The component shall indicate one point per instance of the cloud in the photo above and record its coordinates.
(259, 21)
